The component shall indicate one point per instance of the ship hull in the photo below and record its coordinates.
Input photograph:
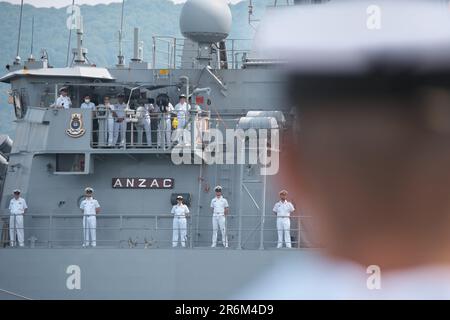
(133, 273)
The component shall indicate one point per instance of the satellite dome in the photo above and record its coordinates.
(205, 21)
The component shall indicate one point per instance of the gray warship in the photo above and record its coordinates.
(58, 152)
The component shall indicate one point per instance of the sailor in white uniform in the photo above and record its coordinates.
(165, 126)
(90, 208)
(283, 210)
(370, 156)
(144, 122)
(219, 206)
(180, 212)
(120, 124)
(63, 100)
(87, 104)
(109, 108)
(199, 122)
(182, 110)
(17, 208)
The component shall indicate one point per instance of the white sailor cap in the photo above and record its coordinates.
(16, 191)
(284, 192)
(180, 198)
(218, 189)
(353, 37)
(89, 190)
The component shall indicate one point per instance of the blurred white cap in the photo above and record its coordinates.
(350, 36)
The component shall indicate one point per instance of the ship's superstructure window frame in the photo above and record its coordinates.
(72, 164)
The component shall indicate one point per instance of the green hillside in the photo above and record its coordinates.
(101, 22)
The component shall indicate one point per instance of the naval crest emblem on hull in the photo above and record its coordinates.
(76, 128)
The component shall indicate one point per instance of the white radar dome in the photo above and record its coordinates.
(206, 21)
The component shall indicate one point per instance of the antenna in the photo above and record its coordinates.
(251, 20)
(120, 56)
(79, 53)
(70, 34)
(31, 58)
(17, 61)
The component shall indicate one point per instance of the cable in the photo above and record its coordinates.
(20, 28)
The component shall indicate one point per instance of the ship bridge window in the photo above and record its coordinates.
(70, 162)
(47, 97)
(76, 95)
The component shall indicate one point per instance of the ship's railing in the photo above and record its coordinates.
(160, 131)
(155, 231)
(170, 52)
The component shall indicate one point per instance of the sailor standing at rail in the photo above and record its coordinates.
(154, 120)
(109, 108)
(87, 104)
(165, 126)
(180, 212)
(17, 207)
(219, 207)
(198, 121)
(182, 110)
(63, 100)
(90, 208)
(145, 122)
(120, 120)
(283, 210)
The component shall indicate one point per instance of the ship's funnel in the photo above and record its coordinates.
(206, 21)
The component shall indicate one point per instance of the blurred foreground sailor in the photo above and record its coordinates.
(63, 100)
(90, 208)
(283, 210)
(219, 207)
(180, 212)
(371, 156)
(17, 208)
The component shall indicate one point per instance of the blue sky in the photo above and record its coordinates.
(64, 3)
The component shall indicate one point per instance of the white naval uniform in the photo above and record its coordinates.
(17, 210)
(182, 133)
(197, 127)
(64, 102)
(89, 105)
(109, 130)
(122, 126)
(165, 127)
(283, 209)
(147, 123)
(88, 205)
(331, 278)
(218, 220)
(179, 224)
